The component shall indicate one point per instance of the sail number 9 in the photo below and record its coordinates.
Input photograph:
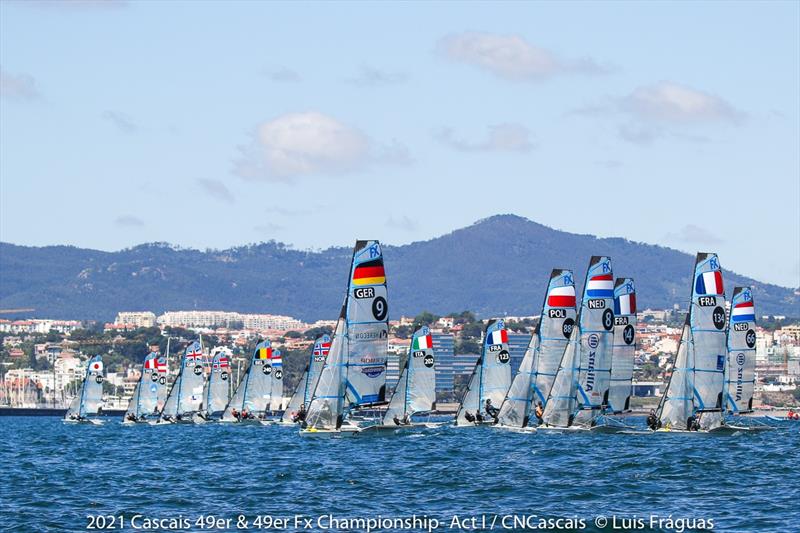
(379, 308)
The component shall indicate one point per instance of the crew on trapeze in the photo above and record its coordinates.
(491, 410)
(693, 423)
(652, 420)
(406, 421)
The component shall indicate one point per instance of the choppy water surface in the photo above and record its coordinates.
(54, 475)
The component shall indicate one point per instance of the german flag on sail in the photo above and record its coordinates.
(369, 273)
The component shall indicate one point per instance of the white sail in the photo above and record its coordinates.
(740, 371)
(326, 407)
(538, 369)
(218, 386)
(308, 381)
(416, 388)
(89, 400)
(622, 359)
(490, 379)
(704, 342)
(186, 394)
(561, 403)
(254, 392)
(596, 322)
(276, 382)
(149, 395)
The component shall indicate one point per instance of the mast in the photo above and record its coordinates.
(491, 376)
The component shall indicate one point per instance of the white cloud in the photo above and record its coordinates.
(18, 87)
(128, 221)
(302, 144)
(500, 138)
(694, 234)
(216, 189)
(284, 74)
(673, 102)
(120, 120)
(374, 77)
(512, 57)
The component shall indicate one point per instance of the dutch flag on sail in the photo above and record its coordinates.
(744, 312)
(600, 286)
(499, 336)
(709, 283)
(276, 360)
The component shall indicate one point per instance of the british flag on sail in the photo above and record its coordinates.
(498, 336)
(194, 353)
(709, 283)
(600, 286)
(744, 311)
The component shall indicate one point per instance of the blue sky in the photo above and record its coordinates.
(215, 124)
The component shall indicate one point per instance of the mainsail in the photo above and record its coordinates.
(416, 388)
(696, 384)
(276, 382)
(254, 392)
(740, 372)
(535, 377)
(89, 400)
(308, 381)
(621, 389)
(217, 392)
(151, 389)
(354, 373)
(596, 341)
(560, 407)
(490, 378)
(186, 394)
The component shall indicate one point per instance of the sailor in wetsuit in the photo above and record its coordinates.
(539, 412)
(469, 417)
(692, 423)
(491, 410)
(300, 415)
(131, 417)
(652, 420)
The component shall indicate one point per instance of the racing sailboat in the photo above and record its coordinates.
(353, 376)
(253, 396)
(87, 404)
(693, 399)
(186, 395)
(298, 403)
(151, 390)
(622, 359)
(416, 389)
(531, 385)
(490, 379)
(580, 389)
(217, 390)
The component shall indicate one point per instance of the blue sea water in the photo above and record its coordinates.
(54, 476)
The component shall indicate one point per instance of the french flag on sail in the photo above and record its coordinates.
(744, 312)
(709, 283)
(561, 296)
(600, 286)
(499, 336)
(625, 304)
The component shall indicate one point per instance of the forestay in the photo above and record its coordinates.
(596, 341)
(623, 353)
(538, 368)
(416, 388)
(740, 371)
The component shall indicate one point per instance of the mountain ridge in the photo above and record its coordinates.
(494, 266)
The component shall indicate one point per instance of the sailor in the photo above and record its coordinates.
(491, 410)
(478, 417)
(469, 417)
(406, 420)
(692, 424)
(791, 415)
(396, 420)
(652, 420)
(539, 412)
(131, 417)
(235, 413)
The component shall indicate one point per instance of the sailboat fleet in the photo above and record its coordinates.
(576, 374)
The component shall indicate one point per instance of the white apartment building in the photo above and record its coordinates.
(212, 319)
(140, 319)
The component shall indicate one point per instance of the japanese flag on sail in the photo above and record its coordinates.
(600, 286)
(423, 342)
(625, 304)
(744, 312)
(499, 336)
(561, 296)
(96, 366)
(709, 283)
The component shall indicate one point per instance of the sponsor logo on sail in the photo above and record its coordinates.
(372, 371)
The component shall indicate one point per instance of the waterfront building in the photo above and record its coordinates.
(138, 319)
